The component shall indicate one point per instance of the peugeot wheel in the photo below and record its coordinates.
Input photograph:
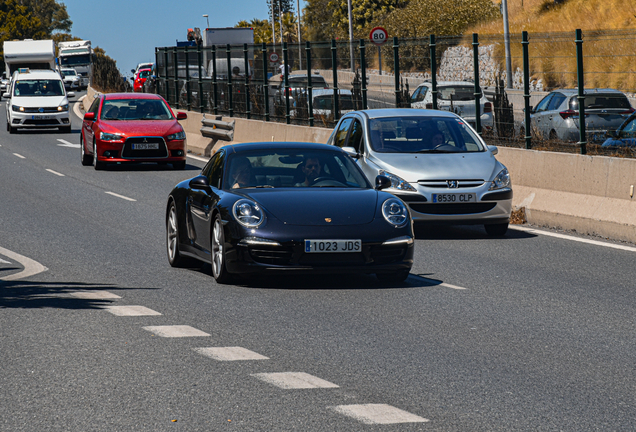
(219, 271)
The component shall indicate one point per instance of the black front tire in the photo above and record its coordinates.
(396, 277)
(219, 271)
(86, 159)
(65, 129)
(496, 230)
(96, 163)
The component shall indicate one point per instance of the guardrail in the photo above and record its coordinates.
(217, 130)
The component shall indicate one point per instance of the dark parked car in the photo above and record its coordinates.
(294, 207)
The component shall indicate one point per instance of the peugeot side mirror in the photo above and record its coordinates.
(382, 182)
(89, 116)
(493, 149)
(200, 182)
(351, 152)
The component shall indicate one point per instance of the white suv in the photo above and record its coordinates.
(454, 96)
(37, 99)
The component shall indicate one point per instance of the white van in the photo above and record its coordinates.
(37, 99)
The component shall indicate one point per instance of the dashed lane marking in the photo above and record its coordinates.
(121, 196)
(378, 414)
(294, 380)
(67, 144)
(31, 267)
(56, 173)
(198, 158)
(94, 295)
(230, 353)
(576, 239)
(19, 155)
(131, 310)
(175, 331)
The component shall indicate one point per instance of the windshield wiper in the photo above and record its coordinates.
(438, 151)
(264, 186)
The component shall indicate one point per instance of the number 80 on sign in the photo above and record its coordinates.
(379, 36)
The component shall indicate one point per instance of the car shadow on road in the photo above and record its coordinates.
(465, 232)
(54, 295)
(147, 166)
(46, 131)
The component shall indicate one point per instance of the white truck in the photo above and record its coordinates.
(29, 53)
(77, 55)
(233, 36)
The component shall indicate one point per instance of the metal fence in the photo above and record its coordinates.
(323, 80)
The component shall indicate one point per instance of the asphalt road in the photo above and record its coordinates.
(529, 332)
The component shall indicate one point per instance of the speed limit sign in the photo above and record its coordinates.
(378, 36)
(273, 57)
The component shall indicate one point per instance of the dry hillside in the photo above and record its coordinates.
(609, 34)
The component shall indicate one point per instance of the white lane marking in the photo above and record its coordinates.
(438, 283)
(120, 196)
(4, 262)
(378, 414)
(175, 331)
(19, 155)
(576, 239)
(67, 144)
(294, 380)
(94, 295)
(131, 310)
(31, 267)
(230, 353)
(198, 158)
(56, 173)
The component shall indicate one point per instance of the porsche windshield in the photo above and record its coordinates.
(275, 168)
(423, 135)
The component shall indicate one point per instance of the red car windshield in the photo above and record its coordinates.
(135, 109)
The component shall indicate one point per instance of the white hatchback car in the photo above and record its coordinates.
(457, 97)
(37, 99)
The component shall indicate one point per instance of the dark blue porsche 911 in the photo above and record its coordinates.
(292, 207)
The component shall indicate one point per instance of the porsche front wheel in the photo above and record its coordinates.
(219, 271)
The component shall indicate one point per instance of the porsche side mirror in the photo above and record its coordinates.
(89, 116)
(382, 182)
(200, 182)
(181, 115)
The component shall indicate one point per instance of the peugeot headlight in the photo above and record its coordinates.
(502, 180)
(395, 212)
(109, 137)
(63, 107)
(398, 182)
(17, 108)
(177, 136)
(248, 213)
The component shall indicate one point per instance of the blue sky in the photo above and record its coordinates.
(130, 30)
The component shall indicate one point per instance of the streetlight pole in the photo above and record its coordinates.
(208, 20)
(300, 57)
(504, 7)
(350, 35)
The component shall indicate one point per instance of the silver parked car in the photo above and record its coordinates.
(457, 97)
(438, 165)
(556, 116)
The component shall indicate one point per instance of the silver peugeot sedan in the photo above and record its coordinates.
(438, 165)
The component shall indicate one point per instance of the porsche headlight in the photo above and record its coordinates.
(398, 182)
(109, 137)
(63, 107)
(177, 136)
(395, 212)
(248, 213)
(502, 180)
(17, 108)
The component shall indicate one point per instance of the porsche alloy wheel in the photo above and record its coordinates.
(218, 253)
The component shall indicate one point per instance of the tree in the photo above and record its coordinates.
(53, 15)
(280, 6)
(366, 14)
(262, 29)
